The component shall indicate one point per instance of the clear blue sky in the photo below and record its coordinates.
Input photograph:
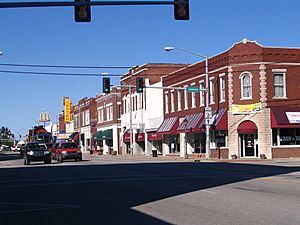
(121, 36)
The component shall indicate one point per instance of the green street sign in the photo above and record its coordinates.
(192, 89)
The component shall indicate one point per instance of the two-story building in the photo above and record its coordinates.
(85, 120)
(109, 109)
(254, 98)
(143, 112)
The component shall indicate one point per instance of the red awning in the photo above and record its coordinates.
(247, 127)
(140, 137)
(221, 119)
(154, 136)
(169, 126)
(279, 118)
(126, 137)
(190, 122)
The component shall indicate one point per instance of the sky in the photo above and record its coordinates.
(120, 36)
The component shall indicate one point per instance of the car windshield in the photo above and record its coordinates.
(69, 145)
(37, 146)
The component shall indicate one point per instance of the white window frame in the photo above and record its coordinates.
(283, 72)
(166, 102)
(193, 97)
(201, 99)
(246, 73)
(179, 99)
(87, 117)
(211, 90)
(222, 87)
(186, 99)
(172, 101)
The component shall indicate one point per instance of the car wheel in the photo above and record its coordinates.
(47, 161)
(76, 159)
(80, 159)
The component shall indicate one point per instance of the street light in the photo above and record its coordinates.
(1, 53)
(207, 108)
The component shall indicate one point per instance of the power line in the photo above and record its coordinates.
(65, 66)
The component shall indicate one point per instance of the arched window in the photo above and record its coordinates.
(246, 85)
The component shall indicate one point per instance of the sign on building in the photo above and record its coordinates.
(293, 117)
(67, 109)
(246, 109)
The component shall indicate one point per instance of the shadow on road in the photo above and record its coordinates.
(4, 156)
(106, 194)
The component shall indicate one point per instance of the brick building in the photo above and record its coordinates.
(84, 116)
(109, 111)
(146, 108)
(253, 94)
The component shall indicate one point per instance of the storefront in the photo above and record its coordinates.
(285, 124)
(168, 129)
(248, 143)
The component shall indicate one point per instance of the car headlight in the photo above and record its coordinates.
(63, 152)
(46, 152)
(31, 153)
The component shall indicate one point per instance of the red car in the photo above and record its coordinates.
(68, 150)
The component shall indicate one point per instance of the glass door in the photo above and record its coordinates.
(249, 147)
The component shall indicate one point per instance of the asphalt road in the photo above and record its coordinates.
(137, 191)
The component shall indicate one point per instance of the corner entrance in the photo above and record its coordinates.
(248, 143)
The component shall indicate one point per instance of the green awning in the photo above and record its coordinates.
(98, 135)
(107, 134)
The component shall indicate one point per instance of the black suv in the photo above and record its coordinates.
(35, 151)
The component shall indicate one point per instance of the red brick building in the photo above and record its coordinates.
(109, 109)
(253, 94)
(84, 116)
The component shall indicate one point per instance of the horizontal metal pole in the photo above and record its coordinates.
(69, 3)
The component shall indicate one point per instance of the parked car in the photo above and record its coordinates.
(35, 151)
(68, 150)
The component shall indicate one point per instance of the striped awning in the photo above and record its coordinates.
(190, 122)
(169, 125)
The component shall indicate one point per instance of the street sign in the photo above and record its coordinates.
(192, 89)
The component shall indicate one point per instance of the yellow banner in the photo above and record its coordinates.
(245, 109)
(67, 106)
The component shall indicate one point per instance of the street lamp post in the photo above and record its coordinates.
(207, 108)
(185, 122)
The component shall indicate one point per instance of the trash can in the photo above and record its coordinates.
(154, 153)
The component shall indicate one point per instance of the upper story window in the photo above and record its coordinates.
(119, 111)
(222, 88)
(125, 105)
(172, 102)
(166, 103)
(179, 97)
(186, 99)
(212, 91)
(279, 83)
(87, 117)
(193, 99)
(202, 94)
(246, 85)
(109, 113)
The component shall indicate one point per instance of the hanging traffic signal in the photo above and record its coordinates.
(83, 12)
(106, 84)
(139, 84)
(181, 10)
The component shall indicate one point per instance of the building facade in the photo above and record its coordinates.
(143, 112)
(109, 109)
(254, 102)
(85, 120)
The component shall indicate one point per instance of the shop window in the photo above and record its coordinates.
(289, 136)
(220, 138)
(274, 137)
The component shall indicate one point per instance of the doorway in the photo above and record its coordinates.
(248, 145)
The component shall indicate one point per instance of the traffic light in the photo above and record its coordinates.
(82, 12)
(139, 84)
(106, 84)
(181, 10)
